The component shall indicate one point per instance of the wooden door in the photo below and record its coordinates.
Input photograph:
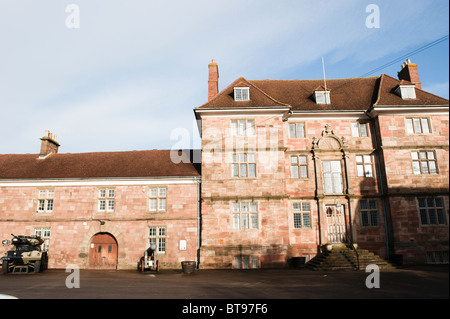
(103, 252)
(336, 230)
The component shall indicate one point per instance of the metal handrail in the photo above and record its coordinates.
(357, 255)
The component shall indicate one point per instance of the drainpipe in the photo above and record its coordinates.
(199, 216)
(383, 201)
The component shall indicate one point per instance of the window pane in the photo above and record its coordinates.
(244, 207)
(440, 216)
(243, 168)
(306, 207)
(359, 159)
(251, 158)
(296, 207)
(236, 207)
(432, 216)
(242, 158)
(360, 170)
(425, 127)
(302, 159)
(294, 171)
(253, 207)
(254, 221)
(306, 220)
(294, 160)
(300, 130)
(409, 126)
(50, 205)
(241, 127)
(430, 155)
(417, 127)
(162, 192)
(153, 192)
(235, 170)
(423, 217)
(244, 221)
(303, 172)
(235, 221)
(373, 218)
(292, 130)
(430, 202)
(337, 183)
(423, 155)
(162, 204)
(363, 204)
(432, 167)
(372, 204)
(365, 218)
(368, 170)
(110, 205)
(416, 167)
(234, 128)
(355, 130)
(251, 170)
(152, 203)
(424, 167)
(111, 193)
(363, 128)
(297, 220)
(422, 202)
(101, 205)
(414, 155)
(250, 128)
(328, 185)
(438, 202)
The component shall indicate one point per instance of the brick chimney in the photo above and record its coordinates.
(213, 80)
(49, 144)
(409, 73)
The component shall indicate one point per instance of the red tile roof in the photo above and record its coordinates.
(346, 94)
(154, 163)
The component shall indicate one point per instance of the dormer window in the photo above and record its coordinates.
(322, 97)
(241, 94)
(406, 91)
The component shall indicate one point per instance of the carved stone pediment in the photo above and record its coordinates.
(329, 140)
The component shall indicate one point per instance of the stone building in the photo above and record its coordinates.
(286, 166)
(102, 210)
(289, 165)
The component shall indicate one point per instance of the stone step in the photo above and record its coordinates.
(343, 258)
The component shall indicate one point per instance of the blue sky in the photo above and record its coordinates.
(134, 70)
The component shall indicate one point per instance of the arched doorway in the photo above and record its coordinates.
(103, 252)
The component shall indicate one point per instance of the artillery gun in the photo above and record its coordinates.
(26, 255)
(149, 261)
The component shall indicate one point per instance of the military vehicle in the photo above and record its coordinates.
(26, 255)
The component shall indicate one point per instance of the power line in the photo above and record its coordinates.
(427, 46)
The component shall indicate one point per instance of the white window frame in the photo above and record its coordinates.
(158, 196)
(297, 130)
(332, 176)
(245, 215)
(44, 233)
(157, 235)
(423, 162)
(357, 131)
(106, 200)
(364, 166)
(407, 92)
(418, 125)
(45, 201)
(369, 214)
(242, 93)
(301, 215)
(299, 166)
(243, 165)
(241, 127)
(322, 97)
